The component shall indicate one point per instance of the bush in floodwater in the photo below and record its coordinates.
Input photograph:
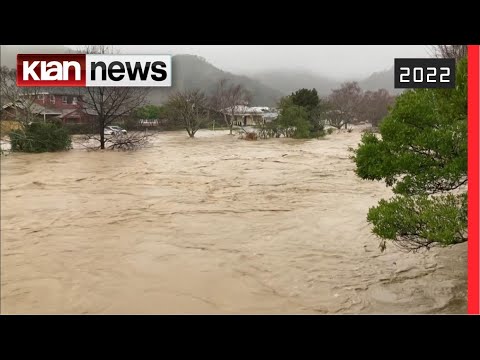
(294, 122)
(269, 130)
(40, 137)
(251, 136)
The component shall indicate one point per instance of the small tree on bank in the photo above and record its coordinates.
(422, 155)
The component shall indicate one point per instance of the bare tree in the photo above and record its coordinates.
(191, 107)
(218, 101)
(337, 118)
(456, 52)
(375, 105)
(131, 141)
(229, 99)
(344, 104)
(21, 98)
(110, 104)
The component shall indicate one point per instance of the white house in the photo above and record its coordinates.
(251, 115)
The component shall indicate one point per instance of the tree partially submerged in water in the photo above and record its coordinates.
(349, 104)
(133, 140)
(293, 122)
(301, 115)
(189, 107)
(344, 104)
(422, 155)
(374, 106)
(110, 104)
(228, 99)
(40, 137)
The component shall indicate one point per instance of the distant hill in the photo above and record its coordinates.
(380, 80)
(288, 81)
(191, 71)
(8, 53)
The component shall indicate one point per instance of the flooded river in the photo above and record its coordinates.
(210, 225)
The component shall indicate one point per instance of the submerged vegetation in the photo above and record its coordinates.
(40, 137)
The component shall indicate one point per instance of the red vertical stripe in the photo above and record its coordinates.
(473, 174)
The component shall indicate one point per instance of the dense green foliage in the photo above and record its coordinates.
(294, 122)
(150, 112)
(300, 115)
(308, 99)
(414, 222)
(421, 153)
(40, 137)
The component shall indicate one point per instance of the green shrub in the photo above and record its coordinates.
(294, 121)
(317, 130)
(40, 137)
(414, 222)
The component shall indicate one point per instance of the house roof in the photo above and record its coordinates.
(252, 110)
(90, 111)
(270, 115)
(70, 112)
(35, 108)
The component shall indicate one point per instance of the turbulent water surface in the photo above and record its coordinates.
(210, 225)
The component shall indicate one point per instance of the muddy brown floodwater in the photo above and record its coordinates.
(210, 225)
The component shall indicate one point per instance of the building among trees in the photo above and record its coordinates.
(65, 104)
(251, 115)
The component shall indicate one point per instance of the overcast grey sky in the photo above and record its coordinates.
(336, 61)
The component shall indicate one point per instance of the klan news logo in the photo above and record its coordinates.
(82, 70)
